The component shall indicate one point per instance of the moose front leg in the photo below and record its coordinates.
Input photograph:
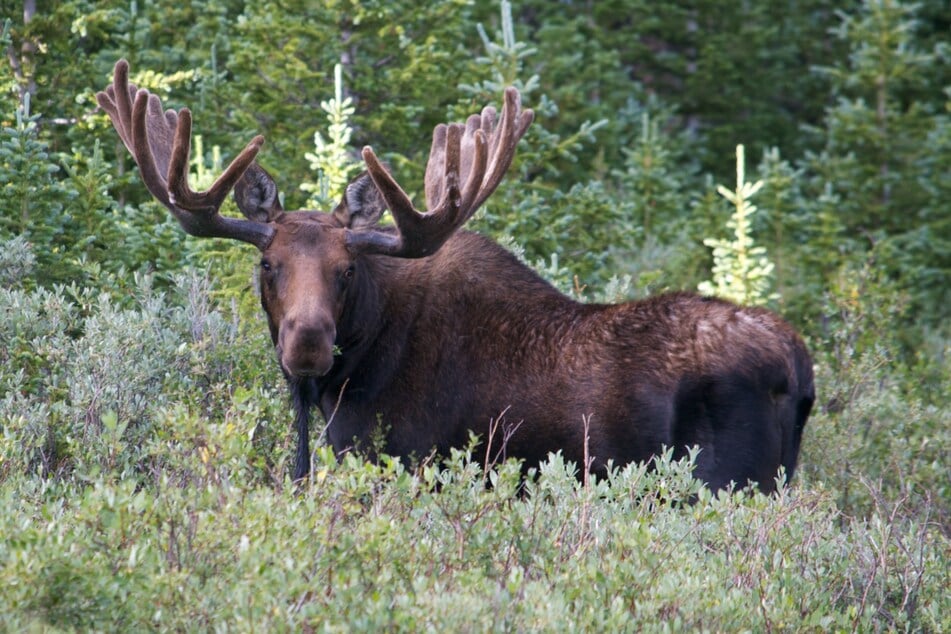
(302, 396)
(302, 462)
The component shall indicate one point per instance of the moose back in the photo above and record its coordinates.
(423, 333)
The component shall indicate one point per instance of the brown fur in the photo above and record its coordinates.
(429, 334)
(469, 338)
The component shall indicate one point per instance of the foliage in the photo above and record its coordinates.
(886, 150)
(363, 547)
(741, 271)
(17, 262)
(144, 428)
(32, 199)
(85, 377)
(543, 219)
(330, 158)
(871, 425)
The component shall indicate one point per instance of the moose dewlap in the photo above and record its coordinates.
(423, 332)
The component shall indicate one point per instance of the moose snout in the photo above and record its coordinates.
(306, 346)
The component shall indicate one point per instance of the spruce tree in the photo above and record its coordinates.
(741, 271)
(33, 202)
(886, 148)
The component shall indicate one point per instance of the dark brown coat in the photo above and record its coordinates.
(470, 340)
(427, 334)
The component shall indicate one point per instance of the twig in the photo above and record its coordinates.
(322, 436)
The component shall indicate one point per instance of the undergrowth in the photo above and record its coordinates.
(144, 476)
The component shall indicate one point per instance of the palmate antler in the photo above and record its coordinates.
(160, 143)
(476, 154)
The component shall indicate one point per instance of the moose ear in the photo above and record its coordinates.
(362, 204)
(256, 195)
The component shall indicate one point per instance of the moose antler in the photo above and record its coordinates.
(476, 154)
(160, 143)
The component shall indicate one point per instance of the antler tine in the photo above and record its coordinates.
(210, 200)
(161, 128)
(480, 152)
(451, 204)
(392, 193)
(432, 180)
(474, 162)
(503, 141)
(154, 179)
(117, 100)
(160, 142)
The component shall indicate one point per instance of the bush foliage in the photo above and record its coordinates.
(145, 444)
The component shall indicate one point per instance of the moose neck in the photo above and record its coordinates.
(398, 304)
(363, 318)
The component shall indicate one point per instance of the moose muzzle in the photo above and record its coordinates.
(305, 347)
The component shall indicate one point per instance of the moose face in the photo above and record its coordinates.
(307, 268)
(310, 259)
(304, 277)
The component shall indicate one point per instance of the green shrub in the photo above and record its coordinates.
(364, 547)
(872, 425)
(85, 378)
(741, 271)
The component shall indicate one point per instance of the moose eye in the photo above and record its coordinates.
(348, 273)
(265, 266)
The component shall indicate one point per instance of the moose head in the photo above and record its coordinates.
(309, 259)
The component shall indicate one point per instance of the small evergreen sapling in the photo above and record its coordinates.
(741, 271)
(331, 158)
(33, 199)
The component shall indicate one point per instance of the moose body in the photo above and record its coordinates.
(424, 334)
(470, 340)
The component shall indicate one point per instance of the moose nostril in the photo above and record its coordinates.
(307, 349)
(315, 335)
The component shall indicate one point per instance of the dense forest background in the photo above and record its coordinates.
(145, 433)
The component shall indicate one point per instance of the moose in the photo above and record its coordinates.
(420, 334)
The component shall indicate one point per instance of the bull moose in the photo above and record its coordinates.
(422, 333)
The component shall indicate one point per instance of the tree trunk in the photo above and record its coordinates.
(22, 63)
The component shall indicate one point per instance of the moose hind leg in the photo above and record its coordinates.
(732, 420)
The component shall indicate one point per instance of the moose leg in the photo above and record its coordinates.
(302, 462)
(302, 400)
(734, 422)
